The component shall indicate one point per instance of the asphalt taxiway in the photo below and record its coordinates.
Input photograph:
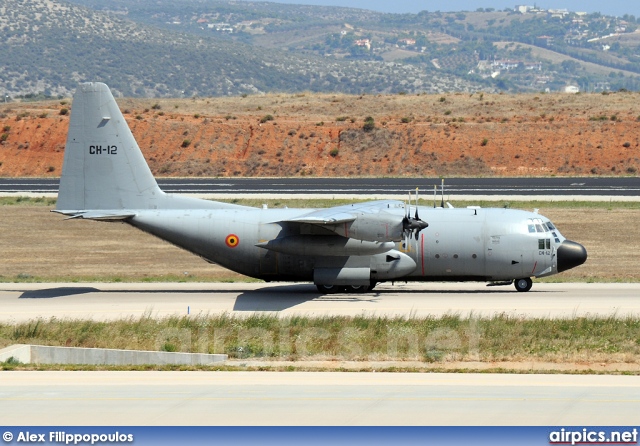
(309, 398)
(101, 301)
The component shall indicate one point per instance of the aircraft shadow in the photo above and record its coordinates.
(280, 298)
(275, 298)
(52, 293)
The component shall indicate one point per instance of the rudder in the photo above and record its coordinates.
(103, 165)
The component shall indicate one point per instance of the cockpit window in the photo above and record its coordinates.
(537, 225)
(550, 226)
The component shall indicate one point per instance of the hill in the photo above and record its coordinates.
(161, 48)
(50, 46)
(325, 135)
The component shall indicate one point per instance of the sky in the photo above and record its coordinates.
(607, 7)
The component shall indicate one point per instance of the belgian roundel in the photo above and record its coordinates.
(232, 240)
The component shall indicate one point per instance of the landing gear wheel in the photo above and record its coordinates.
(523, 285)
(372, 285)
(357, 289)
(330, 289)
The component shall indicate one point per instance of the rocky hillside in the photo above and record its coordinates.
(49, 46)
(329, 135)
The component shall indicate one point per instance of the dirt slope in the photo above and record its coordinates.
(323, 135)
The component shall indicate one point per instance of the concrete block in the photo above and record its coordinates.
(40, 354)
(19, 352)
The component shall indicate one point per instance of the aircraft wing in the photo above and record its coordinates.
(377, 221)
(324, 218)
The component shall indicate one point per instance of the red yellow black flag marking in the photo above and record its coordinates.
(232, 240)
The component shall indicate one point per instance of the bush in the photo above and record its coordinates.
(484, 142)
(266, 118)
(186, 142)
(406, 119)
(369, 124)
(334, 152)
(64, 111)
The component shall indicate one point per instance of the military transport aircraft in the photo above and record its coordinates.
(340, 249)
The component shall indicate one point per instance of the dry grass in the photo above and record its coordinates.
(40, 246)
(326, 107)
(342, 338)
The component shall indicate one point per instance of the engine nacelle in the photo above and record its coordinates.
(374, 227)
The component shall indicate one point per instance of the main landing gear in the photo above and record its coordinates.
(523, 285)
(351, 289)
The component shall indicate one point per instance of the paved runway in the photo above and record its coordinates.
(305, 398)
(20, 302)
(543, 188)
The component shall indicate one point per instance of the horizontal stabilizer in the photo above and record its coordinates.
(96, 215)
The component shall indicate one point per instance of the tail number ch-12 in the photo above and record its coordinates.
(103, 150)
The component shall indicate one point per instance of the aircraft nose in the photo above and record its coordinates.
(570, 255)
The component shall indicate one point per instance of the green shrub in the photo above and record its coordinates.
(369, 124)
(266, 118)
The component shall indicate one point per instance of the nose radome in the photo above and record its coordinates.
(570, 255)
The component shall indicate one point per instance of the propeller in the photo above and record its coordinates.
(412, 225)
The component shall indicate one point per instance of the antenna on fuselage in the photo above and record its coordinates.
(435, 195)
(442, 202)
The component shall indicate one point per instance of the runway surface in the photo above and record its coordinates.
(21, 302)
(307, 398)
(586, 188)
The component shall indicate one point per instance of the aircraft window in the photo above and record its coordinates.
(532, 228)
(557, 240)
(548, 243)
(540, 243)
(539, 228)
(550, 226)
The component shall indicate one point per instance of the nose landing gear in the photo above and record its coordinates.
(523, 285)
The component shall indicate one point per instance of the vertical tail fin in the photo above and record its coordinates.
(103, 165)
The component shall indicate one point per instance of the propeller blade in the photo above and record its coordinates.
(417, 218)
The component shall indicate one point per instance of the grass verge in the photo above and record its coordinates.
(441, 342)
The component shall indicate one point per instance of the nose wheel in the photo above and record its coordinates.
(523, 285)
